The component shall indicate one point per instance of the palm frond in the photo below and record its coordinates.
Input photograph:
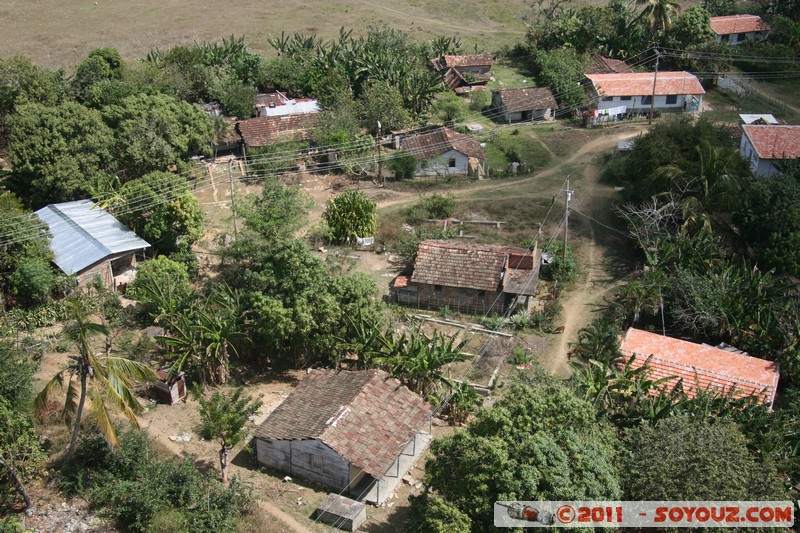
(103, 420)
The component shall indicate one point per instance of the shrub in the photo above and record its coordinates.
(543, 318)
(403, 165)
(494, 322)
(32, 281)
(520, 356)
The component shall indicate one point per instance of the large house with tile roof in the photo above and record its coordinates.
(468, 277)
(443, 152)
(523, 104)
(352, 431)
(633, 91)
(768, 146)
(699, 367)
(736, 29)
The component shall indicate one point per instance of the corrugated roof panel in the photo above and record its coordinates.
(83, 234)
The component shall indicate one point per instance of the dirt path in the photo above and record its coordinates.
(286, 518)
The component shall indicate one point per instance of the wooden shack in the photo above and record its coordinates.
(170, 388)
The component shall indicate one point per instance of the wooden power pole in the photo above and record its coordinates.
(653, 96)
(568, 198)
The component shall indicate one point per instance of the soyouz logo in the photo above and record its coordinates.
(661, 514)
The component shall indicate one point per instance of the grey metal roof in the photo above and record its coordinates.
(84, 234)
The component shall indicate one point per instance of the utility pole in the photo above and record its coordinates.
(233, 208)
(380, 163)
(653, 96)
(566, 216)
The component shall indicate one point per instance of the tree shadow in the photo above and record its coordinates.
(246, 375)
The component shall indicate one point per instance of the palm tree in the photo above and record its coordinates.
(111, 378)
(710, 190)
(658, 14)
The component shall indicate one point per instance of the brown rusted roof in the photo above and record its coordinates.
(701, 367)
(774, 142)
(367, 417)
(641, 84)
(730, 24)
(427, 144)
(527, 99)
(263, 131)
(606, 65)
(468, 265)
(465, 60)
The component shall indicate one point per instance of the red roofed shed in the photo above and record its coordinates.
(736, 29)
(701, 367)
(766, 146)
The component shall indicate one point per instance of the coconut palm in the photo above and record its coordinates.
(106, 380)
(712, 189)
(657, 14)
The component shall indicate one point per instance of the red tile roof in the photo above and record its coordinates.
(737, 24)
(465, 60)
(263, 131)
(367, 417)
(641, 84)
(427, 144)
(472, 266)
(700, 366)
(606, 65)
(774, 142)
(526, 99)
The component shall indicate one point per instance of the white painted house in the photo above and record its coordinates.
(632, 92)
(767, 146)
(736, 29)
(358, 432)
(444, 152)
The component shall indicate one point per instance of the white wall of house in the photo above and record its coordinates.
(760, 167)
(733, 39)
(310, 459)
(642, 103)
(449, 163)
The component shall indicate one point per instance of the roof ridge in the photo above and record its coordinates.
(62, 215)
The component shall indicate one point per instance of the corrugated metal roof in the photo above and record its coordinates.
(84, 235)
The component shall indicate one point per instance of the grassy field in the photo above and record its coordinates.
(59, 34)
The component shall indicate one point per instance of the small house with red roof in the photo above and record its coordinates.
(468, 277)
(632, 92)
(767, 147)
(441, 151)
(699, 367)
(736, 29)
(357, 432)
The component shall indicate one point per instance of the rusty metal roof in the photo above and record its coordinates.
(464, 60)
(367, 417)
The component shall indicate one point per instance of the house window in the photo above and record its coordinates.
(672, 99)
(608, 98)
(451, 162)
(481, 294)
(646, 100)
(624, 98)
(437, 291)
(741, 36)
(724, 38)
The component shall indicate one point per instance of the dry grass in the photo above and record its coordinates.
(59, 34)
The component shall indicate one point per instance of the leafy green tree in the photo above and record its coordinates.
(403, 165)
(432, 514)
(153, 132)
(561, 71)
(160, 208)
(663, 463)
(224, 418)
(111, 378)
(278, 213)
(769, 220)
(33, 280)
(21, 454)
(449, 108)
(236, 98)
(382, 102)
(101, 65)
(350, 215)
(16, 375)
(22, 82)
(57, 152)
(537, 443)
(287, 74)
(162, 286)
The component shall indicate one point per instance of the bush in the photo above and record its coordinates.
(562, 270)
(520, 356)
(32, 281)
(144, 491)
(494, 322)
(403, 165)
(479, 100)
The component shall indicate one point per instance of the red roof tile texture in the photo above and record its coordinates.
(526, 99)
(701, 367)
(737, 24)
(428, 144)
(367, 417)
(606, 65)
(774, 142)
(466, 60)
(263, 131)
(641, 84)
(460, 264)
